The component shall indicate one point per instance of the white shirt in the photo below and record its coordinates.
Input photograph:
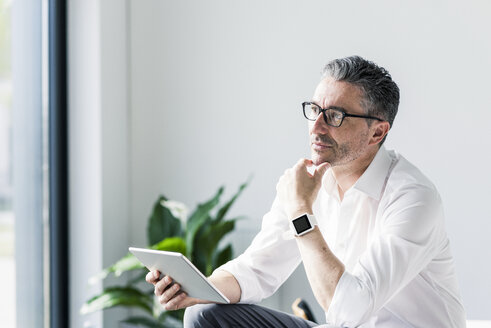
(388, 231)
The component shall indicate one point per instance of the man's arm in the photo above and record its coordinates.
(172, 298)
(227, 284)
(297, 190)
(322, 267)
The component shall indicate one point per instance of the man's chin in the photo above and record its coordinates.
(318, 160)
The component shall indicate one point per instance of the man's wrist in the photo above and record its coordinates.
(303, 224)
(300, 211)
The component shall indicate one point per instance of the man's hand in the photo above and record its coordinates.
(297, 189)
(170, 295)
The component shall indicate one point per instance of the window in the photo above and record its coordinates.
(7, 261)
(33, 173)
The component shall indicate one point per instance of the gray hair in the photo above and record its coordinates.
(380, 92)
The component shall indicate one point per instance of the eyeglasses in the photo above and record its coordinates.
(333, 116)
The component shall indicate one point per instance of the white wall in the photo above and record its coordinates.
(99, 159)
(214, 90)
(84, 156)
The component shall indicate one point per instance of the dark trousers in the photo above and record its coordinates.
(241, 315)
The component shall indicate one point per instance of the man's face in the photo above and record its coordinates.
(346, 143)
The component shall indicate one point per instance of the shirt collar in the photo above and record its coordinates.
(371, 181)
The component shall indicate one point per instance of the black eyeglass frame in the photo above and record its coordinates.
(341, 110)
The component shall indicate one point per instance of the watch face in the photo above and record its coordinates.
(302, 224)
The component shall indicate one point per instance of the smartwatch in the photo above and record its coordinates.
(303, 224)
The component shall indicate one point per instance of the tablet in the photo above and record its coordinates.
(177, 266)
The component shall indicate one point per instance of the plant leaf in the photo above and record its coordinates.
(162, 224)
(208, 239)
(130, 262)
(223, 256)
(126, 263)
(198, 255)
(224, 209)
(118, 296)
(99, 276)
(144, 321)
(196, 220)
(171, 317)
(171, 244)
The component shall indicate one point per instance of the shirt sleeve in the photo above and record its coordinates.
(409, 239)
(270, 259)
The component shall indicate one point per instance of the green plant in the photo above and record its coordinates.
(205, 228)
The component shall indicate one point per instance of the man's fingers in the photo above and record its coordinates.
(177, 302)
(320, 170)
(161, 286)
(149, 277)
(304, 162)
(169, 293)
(152, 277)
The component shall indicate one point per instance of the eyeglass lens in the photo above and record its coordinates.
(333, 117)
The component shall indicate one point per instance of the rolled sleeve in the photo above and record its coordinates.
(268, 261)
(351, 300)
(245, 276)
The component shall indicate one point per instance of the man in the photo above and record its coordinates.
(367, 225)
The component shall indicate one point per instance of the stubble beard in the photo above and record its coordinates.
(338, 154)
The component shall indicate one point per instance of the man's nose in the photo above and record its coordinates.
(319, 126)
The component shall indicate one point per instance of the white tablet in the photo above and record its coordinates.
(177, 266)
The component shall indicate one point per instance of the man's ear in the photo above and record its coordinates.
(378, 132)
